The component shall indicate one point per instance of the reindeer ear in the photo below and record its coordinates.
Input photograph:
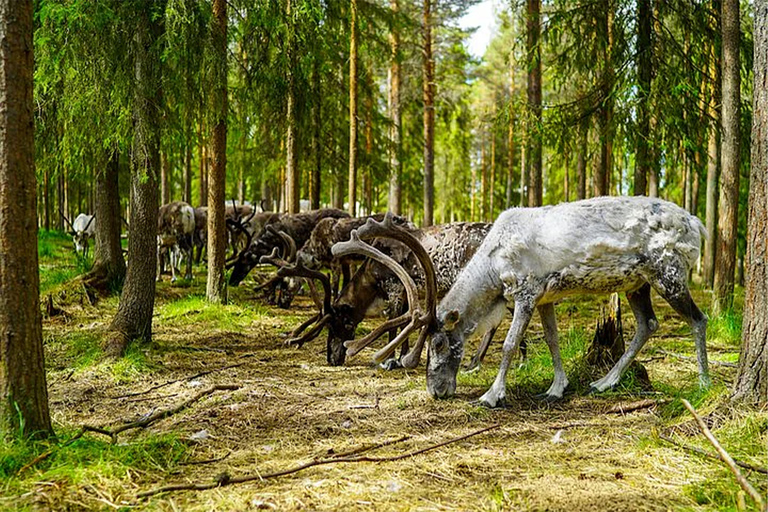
(450, 321)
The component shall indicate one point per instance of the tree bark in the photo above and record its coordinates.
(315, 173)
(535, 189)
(713, 168)
(581, 161)
(492, 177)
(428, 90)
(511, 134)
(644, 72)
(352, 109)
(292, 175)
(752, 378)
(729, 177)
(601, 177)
(483, 180)
(23, 391)
(217, 242)
(165, 193)
(108, 270)
(395, 164)
(133, 320)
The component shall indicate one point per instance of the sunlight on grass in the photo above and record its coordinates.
(195, 310)
(76, 350)
(725, 329)
(88, 461)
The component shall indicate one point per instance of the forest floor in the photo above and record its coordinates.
(580, 454)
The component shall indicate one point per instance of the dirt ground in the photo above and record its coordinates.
(292, 408)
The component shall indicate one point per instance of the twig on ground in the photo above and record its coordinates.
(207, 461)
(705, 453)
(689, 358)
(374, 405)
(624, 408)
(144, 422)
(363, 449)
(224, 480)
(725, 457)
(168, 383)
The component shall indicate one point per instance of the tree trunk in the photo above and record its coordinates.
(395, 164)
(428, 89)
(511, 134)
(217, 241)
(292, 175)
(644, 74)
(566, 180)
(133, 320)
(108, 270)
(165, 193)
(23, 391)
(187, 196)
(581, 160)
(315, 173)
(752, 378)
(524, 174)
(535, 189)
(729, 177)
(483, 181)
(353, 109)
(492, 177)
(368, 174)
(713, 168)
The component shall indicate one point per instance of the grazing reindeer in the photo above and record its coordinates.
(175, 232)
(82, 230)
(297, 226)
(533, 257)
(375, 286)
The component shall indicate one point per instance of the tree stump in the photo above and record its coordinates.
(607, 345)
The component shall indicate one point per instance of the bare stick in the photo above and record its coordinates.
(363, 449)
(709, 455)
(168, 383)
(725, 457)
(225, 480)
(624, 408)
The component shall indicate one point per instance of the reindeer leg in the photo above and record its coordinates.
(474, 364)
(188, 254)
(640, 302)
(549, 322)
(174, 261)
(497, 393)
(157, 277)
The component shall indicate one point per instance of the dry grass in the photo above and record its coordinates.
(292, 408)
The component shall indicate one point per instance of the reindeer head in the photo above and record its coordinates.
(444, 353)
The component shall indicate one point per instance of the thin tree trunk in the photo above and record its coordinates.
(395, 165)
(203, 155)
(353, 109)
(165, 194)
(317, 151)
(292, 176)
(428, 89)
(581, 160)
(368, 174)
(108, 270)
(187, 196)
(133, 320)
(23, 392)
(483, 181)
(511, 134)
(566, 180)
(535, 189)
(217, 241)
(492, 177)
(644, 75)
(752, 379)
(47, 200)
(524, 174)
(713, 168)
(729, 176)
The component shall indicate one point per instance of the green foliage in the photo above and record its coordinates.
(725, 328)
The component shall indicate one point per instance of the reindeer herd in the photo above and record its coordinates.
(443, 284)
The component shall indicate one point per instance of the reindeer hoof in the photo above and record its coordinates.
(547, 398)
(390, 364)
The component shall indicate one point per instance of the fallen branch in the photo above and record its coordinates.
(168, 383)
(363, 449)
(144, 422)
(624, 408)
(725, 457)
(689, 358)
(709, 455)
(225, 480)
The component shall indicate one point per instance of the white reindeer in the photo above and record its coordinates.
(83, 229)
(533, 257)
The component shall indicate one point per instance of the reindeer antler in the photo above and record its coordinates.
(93, 217)
(387, 229)
(61, 212)
(300, 270)
(417, 319)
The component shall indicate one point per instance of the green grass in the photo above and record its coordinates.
(57, 260)
(90, 460)
(725, 329)
(196, 310)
